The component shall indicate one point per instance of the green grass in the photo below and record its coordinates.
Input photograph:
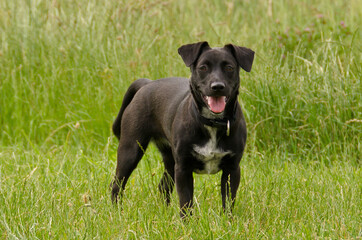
(65, 65)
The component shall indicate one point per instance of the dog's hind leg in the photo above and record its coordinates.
(168, 178)
(129, 155)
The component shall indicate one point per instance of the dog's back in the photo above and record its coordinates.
(154, 92)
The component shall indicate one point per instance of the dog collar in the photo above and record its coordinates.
(218, 123)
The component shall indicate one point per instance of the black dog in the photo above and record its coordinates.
(197, 124)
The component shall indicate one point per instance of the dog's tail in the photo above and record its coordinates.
(132, 90)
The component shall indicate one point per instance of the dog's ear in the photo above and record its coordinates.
(244, 56)
(191, 52)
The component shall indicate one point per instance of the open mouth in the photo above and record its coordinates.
(216, 103)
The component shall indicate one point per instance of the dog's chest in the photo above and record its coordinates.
(209, 154)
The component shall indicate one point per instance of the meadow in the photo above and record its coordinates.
(65, 65)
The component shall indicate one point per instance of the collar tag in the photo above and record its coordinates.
(228, 128)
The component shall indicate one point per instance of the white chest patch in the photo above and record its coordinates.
(210, 154)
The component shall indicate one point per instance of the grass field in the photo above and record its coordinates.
(65, 65)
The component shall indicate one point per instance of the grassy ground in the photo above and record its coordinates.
(65, 65)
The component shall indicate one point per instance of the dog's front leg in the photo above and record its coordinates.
(185, 190)
(230, 181)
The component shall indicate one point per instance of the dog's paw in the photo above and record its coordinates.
(114, 193)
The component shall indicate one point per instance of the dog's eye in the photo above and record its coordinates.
(229, 68)
(203, 68)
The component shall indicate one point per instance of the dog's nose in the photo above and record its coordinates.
(217, 86)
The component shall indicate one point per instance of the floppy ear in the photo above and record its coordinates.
(244, 56)
(191, 52)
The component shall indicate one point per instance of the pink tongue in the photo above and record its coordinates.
(216, 104)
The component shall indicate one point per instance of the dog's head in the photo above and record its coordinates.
(215, 74)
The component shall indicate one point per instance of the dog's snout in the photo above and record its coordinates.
(217, 86)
